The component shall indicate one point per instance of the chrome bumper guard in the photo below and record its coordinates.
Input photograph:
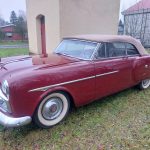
(9, 122)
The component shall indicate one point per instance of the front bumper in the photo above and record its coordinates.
(9, 122)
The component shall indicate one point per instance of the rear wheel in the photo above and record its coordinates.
(144, 84)
(52, 110)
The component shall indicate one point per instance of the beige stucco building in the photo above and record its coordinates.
(68, 17)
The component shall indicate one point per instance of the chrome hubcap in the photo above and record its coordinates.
(52, 108)
(146, 82)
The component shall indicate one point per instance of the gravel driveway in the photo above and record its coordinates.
(14, 46)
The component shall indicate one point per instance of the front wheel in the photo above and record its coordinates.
(144, 84)
(52, 110)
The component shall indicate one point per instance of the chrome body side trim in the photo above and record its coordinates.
(64, 83)
(104, 74)
(73, 81)
(10, 122)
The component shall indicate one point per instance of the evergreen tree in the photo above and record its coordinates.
(13, 17)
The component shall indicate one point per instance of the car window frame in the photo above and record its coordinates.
(133, 54)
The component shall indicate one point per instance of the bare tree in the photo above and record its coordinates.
(135, 22)
(21, 24)
(2, 21)
(22, 14)
(2, 35)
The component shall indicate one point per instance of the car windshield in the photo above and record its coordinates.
(76, 48)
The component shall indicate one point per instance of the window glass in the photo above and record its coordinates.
(76, 48)
(116, 49)
(131, 50)
(101, 51)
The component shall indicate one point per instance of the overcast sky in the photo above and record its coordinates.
(6, 6)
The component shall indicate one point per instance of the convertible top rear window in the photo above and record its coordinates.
(77, 48)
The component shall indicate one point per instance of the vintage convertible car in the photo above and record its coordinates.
(82, 69)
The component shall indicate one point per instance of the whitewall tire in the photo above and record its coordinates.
(52, 110)
(144, 84)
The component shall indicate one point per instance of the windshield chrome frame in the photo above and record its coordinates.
(95, 51)
(82, 40)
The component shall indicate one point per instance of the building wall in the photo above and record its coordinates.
(50, 9)
(8, 29)
(10, 34)
(89, 17)
(70, 17)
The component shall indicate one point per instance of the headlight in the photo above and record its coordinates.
(4, 102)
(4, 97)
(3, 105)
(5, 88)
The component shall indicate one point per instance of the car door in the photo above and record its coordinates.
(113, 70)
(141, 64)
(138, 63)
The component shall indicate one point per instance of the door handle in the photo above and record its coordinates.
(146, 66)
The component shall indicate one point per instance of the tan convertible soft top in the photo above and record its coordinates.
(113, 38)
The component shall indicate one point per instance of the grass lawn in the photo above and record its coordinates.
(118, 122)
(12, 42)
(13, 52)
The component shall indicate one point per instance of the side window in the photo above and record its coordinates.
(116, 49)
(131, 50)
(101, 51)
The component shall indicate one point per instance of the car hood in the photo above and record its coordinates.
(22, 63)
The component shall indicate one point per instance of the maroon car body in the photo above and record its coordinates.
(31, 78)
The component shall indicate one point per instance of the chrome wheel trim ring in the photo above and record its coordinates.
(52, 108)
(146, 83)
(60, 117)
